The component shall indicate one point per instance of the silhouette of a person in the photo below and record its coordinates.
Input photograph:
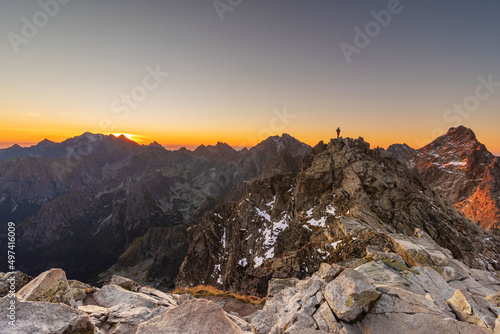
(338, 132)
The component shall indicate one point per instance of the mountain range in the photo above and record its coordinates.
(98, 205)
(79, 204)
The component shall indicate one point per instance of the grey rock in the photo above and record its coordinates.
(111, 295)
(328, 272)
(350, 295)
(125, 283)
(50, 286)
(192, 317)
(44, 318)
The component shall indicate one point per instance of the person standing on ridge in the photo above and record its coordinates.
(338, 132)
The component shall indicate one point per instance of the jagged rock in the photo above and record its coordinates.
(192, 317)
(325, 319)
(462, 307)
(277, 284)
(50, 286)
(379, 274)
(328, 272)
(111, 295)
(20, 279)
(401, 311)
(494, 299)
(307, 331)
(124, 282)
(242, 324)
(124, 318)
(44, 318)
(392, 260)
(263, 322)
(157, 294)
(350, 295)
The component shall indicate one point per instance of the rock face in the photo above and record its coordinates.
(346, 198)
(462, 170)
(192, 317)
(18, 278)
(107, 192)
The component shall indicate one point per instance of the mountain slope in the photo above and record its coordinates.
(463, 171)
(346, 198)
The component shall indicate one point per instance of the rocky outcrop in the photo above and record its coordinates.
(462, 170)
(398, 301)
(346, 198)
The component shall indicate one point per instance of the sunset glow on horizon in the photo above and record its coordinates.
(178, 74)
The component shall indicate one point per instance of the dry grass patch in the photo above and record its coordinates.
(207, 290)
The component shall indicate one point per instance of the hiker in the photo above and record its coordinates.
(338, 132)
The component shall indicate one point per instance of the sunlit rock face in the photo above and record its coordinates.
(462, 170)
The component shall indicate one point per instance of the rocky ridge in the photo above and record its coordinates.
(346, 198)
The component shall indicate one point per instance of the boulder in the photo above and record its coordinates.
(192, 317)
(50, 286)
(350, 295)
(392, 260)
(111, 295)
(125, 283)
(328, 272)
(124, 318)
(276, 285)
(44, 318)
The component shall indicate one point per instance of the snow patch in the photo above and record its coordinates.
(318, 223)
(243, 262)
(258, 261)
(336, 243)
(331, 210)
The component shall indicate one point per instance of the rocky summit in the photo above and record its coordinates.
(346, 198)
(459, 168)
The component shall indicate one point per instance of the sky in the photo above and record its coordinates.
(187, 72)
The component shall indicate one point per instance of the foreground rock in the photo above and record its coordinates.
(50, 286)
(376, 298)
(192, 317)
(50, 304)
(44, 318)
(350, 295)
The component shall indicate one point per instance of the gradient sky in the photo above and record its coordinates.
(228, 79)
